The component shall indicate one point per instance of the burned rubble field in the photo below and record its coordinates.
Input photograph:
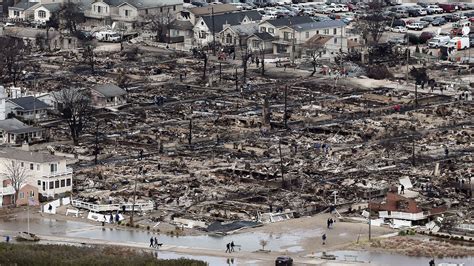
(214, 153)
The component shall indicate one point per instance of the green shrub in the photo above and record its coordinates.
(45, 255)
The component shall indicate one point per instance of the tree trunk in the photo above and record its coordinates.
(263, 62)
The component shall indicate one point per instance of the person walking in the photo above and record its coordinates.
(151, 242)
(402, 189)
(432, 262)
(232, 245)
(228, 248)
(156, 242)
(329, 223)
(324, 239)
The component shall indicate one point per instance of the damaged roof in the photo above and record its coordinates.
(29, 103)
(109, 90)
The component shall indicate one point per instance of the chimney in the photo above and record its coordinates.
(25, 146)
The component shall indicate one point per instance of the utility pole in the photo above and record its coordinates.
(281, 163)
(370, 223)
(190, 135)
(220, 71)
(286, 108)
(408, 55)
(213, 33)
(96, 148)
(140, 171)
(236, 81)
(413, 149)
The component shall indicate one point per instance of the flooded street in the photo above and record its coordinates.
(248, 242)
(376, 258)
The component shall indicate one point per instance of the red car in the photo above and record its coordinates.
(448, 8)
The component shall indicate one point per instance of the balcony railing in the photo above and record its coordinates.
(5, 191)
(68, 171)
(146, 206)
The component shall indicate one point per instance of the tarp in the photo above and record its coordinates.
(405, 181)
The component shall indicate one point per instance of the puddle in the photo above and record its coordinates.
(244, 241)
(212, 261)
(387, 259)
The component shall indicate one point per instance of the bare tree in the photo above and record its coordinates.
(88, 54)
(160, 24)
(74, 107)
(16, 174)
(123, 81)
(13, 57)
(263, 243)
(70, 16)
(373, 24)
(421, 78)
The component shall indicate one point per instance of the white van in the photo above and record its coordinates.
(107, 36)
(459, 43)
(438, 41)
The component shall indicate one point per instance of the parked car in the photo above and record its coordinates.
(9, 24)
(439, 21)
(425, 24)
(438, 41)
(401, 14)
(400, 29)
(415, 26)
(448, 8)
(398, 41)
(434, 9)
(284, 261)
(416, 12)
(398, 22)
(428, 19)
(452, 17)
(425, 36)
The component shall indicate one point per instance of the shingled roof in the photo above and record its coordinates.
(231, 19)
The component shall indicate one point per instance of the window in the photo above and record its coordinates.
(317, 32)
(32, 193)
(255, 43)
(42, 14)
(335, 40)
(51, 184)
(53, 167)
(68, 182)
(286, 36)
(16, 13)
(127, 12)
(326, 31)
(37, 167)
(263, 29)
(146, 11)
(271, 30)
(106, 9)
(161, 9)
(307, 34)
(39, 182)
(22, 195)
(95, 8)
(174, 8)
(32, 166)
(44, 185)
(334, 31)
(63, 182)
(56, 184)
(99, 9)
(22, 164)
(202, 35)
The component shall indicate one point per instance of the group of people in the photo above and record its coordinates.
(230, 247)
(331, 222)
(154, 242)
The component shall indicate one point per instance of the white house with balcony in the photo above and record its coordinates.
(128, 13)
(45, 11)
(49, 173)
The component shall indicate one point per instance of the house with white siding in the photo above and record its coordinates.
(48, 173)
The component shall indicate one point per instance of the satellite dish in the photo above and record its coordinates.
(438, 32)
(465, 31)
